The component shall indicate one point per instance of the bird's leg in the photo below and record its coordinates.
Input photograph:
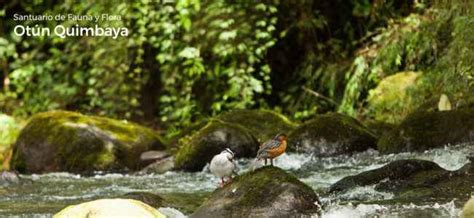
(265, 161)
(230, 180)
(222, 182)
(271, 161)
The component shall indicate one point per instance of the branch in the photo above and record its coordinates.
(319, 95)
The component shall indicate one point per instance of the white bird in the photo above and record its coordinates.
(222, 165)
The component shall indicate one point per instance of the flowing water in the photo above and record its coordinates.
(43, 195)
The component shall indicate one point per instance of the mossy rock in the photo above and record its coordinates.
(265, 192)
(199, 148)
(332, 134)
(390, 101)
(263, 124)
(110, 208)
(425, 130)
(69, 141)
(379, 128)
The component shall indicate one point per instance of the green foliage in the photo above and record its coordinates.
(224, 45)
(435, 42)
(9, 131)
(191, 59)
(206, 56)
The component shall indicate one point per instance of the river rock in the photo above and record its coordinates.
(198, 149)
(9, 178)
(379, 128)
(392, 176)
(149, 157)
(415, 179)
(69, 141)
(425, 130)
(159, 166)
(468, 209)
(332, 134)
(110, 208)
(263, 124)
(265, 192)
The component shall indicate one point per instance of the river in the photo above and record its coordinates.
(43, 195)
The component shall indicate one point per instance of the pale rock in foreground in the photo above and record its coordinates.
(110, 208)
(468, 210)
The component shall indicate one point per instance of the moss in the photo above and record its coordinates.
(69, 141)
(172, 140)
(424, 130)
(199, 148)
(264, 124)
(259, 182)
(390, 101)
(332, 134)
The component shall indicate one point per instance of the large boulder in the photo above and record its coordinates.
(110, 208)
(198, 149)
(69, 141)
(425, 130)
(265, 192)
(390, 101)
(263, 124)
(332, 134)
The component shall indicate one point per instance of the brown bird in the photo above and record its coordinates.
(272, 148)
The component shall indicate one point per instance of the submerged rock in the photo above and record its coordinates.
(68, 141)
(263, 124)
(110, 208)
(332, 134)
(265, 192)
(199, 148)
(425, 130)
